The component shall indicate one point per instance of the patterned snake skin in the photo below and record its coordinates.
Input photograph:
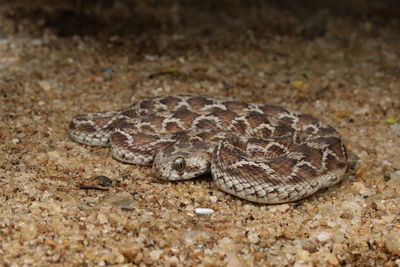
(261, 153)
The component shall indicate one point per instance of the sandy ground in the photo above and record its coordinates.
(57, 61)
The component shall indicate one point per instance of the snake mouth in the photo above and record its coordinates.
(163, 173)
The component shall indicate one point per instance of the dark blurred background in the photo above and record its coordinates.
(98, 18)
(157, 26)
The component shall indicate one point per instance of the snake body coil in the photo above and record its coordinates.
(261, 153)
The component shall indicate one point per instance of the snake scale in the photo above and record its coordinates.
(258, 152)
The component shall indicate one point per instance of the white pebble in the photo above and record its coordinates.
(156, 254)
(253, 238)
(213, 199)
(203, 211)
(323, 236)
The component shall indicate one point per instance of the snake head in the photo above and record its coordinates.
(182, 161)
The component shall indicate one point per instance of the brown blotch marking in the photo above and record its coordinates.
(206, 124)
(146, 129)
(304, 173)
(238, 146)
(258, 141)
(282, 165)
(147, 104)
(128, 126)
(102, 122)
(283, 130)
(185, 115)
(263, 132)
(334, 144)
(285, 121)
(307, 133)
(236, 105)
(313, 155)
(305, 119)
(215, 109)
(273, 110)
(142, 138)
(239, 127)
(327, 132)
(332, 163)
(153, 119)
(170, 102)
(181, 136)
(274, 151)
(258, 154)
(224, 115)
(118, 138)
(287, 141)
(257, 173)
(199, 101)
(131, 113)
(162, 145)
(255, 119)
(87, 128)
(72, 125)
(228, 156)
(173, 127)
(207, 135)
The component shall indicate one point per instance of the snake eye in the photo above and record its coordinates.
(179, 164)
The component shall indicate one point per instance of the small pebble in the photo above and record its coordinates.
(331, 259)
(393, 242)
(130, 251)
(99, 183)
(172, 261)
(213, 199)
(323, 236)
(102, 218)
(45, 85)
(283, 207)
(303, 255)
(253, 238)
(156, 254)
(204, 211)
(359, 188)
(362, 110)
(103, 180)
(310, 246)
(29, 231)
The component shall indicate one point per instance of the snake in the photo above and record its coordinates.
(258, 152)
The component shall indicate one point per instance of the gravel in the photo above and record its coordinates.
(346, 73)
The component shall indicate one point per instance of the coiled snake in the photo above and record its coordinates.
(261, 153)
